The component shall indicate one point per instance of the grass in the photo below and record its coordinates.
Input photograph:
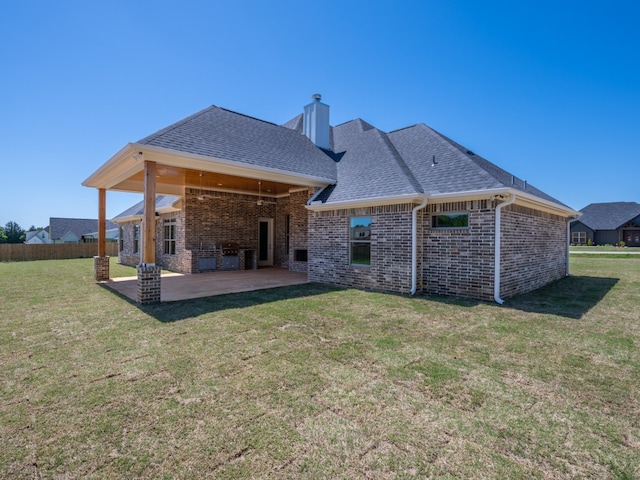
(318, 382)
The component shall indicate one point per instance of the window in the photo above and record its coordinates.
(120, 238)
(136, 238)
(579, 238)
(360, 240)
(169, 237)
(450, 220)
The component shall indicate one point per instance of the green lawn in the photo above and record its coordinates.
(601, 248)
(318, 382)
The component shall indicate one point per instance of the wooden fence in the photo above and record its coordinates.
(20, 252)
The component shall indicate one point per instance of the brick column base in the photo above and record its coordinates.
(101, 268)
(148, 284)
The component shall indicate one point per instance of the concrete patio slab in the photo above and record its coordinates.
(176, 286)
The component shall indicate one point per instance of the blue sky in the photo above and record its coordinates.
(548, 90)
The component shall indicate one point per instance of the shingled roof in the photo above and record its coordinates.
(78, 226)
(220, 133)
(162, 202)
(609, 216)
(410, 161)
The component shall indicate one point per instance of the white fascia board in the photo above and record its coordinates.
(522, 198)
(204, 163)
(318, 206)
(119, 167)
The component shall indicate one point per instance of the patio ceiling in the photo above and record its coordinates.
(173, 181)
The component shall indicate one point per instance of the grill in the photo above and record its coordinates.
(230, 259)
(229, 248)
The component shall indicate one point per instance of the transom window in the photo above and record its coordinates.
(360, 240)
(450, 220)
(169, 237)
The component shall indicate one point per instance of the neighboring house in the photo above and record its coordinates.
(111, 235)
(608, 223)
(37, 237)
(71, 230)
(404, 211)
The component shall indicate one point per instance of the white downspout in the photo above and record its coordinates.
(414, 245)
(496, 268)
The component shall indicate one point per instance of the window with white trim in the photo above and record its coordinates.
(170, 237)
(360, 241)
(579, 238)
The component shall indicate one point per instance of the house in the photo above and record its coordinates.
(129, 227)
(608, 223)
(37, 237)
(72, 230)
(406, 211)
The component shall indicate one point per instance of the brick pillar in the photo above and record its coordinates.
(148, 284)
(101, 268)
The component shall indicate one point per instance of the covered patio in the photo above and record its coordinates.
(177, 286)
(233, 189)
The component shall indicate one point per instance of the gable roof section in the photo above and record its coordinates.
(219, 133)
(59, 227)
(609, 216)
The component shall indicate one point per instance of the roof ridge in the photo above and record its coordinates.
(173, 126)
(360, 120)
(249, 116)
(413, 181)
(405, 128)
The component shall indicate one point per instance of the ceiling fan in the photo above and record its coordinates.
(201, 195)
(260, 201)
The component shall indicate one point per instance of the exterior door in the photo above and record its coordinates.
(632, 238)
(265, 242)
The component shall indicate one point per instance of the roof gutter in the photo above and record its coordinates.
(524, 198)
(496, 254)
(414, 244)
(316, 205)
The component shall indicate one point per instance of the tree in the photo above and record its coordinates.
(14, 233)
(3, 237)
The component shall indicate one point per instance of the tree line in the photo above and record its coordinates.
(13, 233)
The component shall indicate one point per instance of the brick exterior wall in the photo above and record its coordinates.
(459, 262)
(127, 256)
(390, 268)
(533, 249)
(298, 229)
(225, 217)
(455, 262)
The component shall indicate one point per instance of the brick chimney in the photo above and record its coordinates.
(316, 122)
